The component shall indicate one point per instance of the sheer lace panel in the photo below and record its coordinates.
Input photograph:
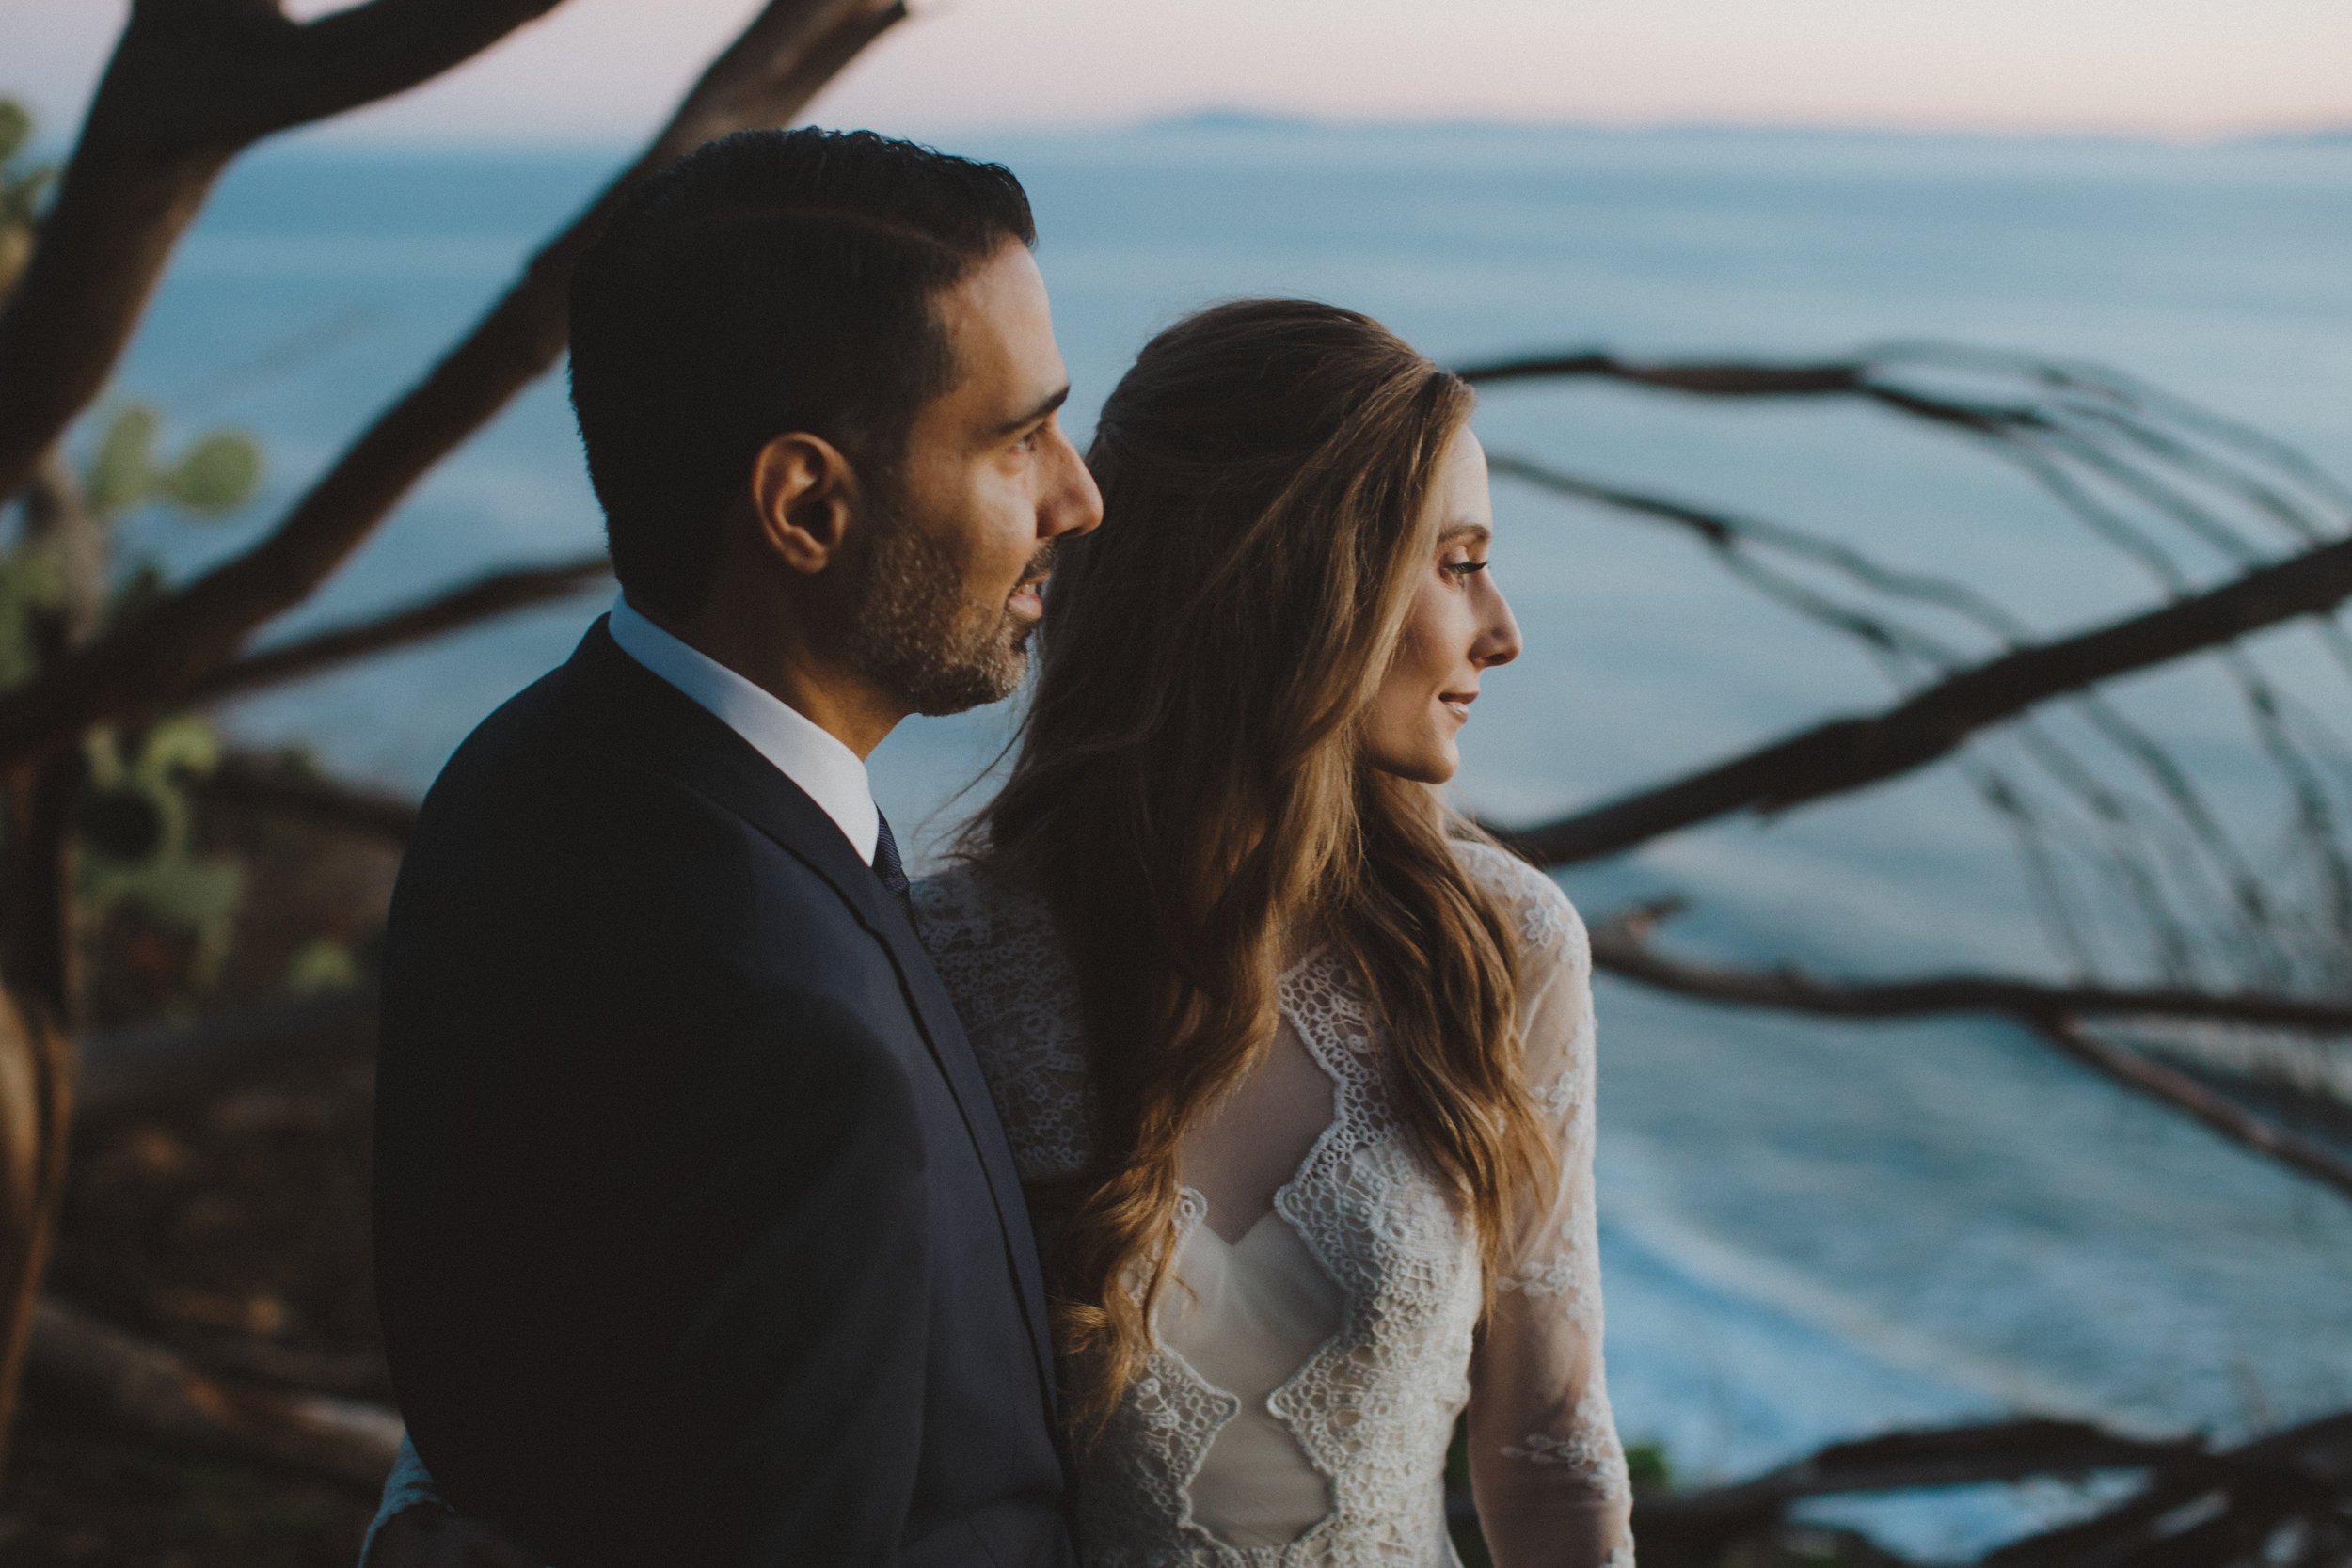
(1253, 1143)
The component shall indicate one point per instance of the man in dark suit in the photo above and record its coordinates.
(697, 1238)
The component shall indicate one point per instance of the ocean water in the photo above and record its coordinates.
(1811, 1231)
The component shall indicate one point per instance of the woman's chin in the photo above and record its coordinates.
(1435, 763)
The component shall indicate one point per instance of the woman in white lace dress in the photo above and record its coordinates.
(1299, 1069)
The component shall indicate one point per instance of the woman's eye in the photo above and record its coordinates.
(1465, 567)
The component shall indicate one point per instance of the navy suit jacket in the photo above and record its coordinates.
(698, 1241)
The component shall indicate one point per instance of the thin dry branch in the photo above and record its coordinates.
(2177, 1090)
(192, 82)
(2054, 1013)
(137, 1068)
(2222, 1508)
(2197, 1507)
(2128, 842)
(784, 56)
(1847, 754)
(250, 784)
(492, 595)
(1619, 947)
(159, 1393)
(1703, 377)
(1699, 1523)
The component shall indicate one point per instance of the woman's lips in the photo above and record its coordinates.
(1457, 704)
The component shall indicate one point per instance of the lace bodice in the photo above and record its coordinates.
(1373, 1406)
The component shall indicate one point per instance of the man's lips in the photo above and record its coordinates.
(1027, 601)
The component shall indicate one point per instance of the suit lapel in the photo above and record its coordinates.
(683, 740)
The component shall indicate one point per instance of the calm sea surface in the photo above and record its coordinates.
(1810, 1230)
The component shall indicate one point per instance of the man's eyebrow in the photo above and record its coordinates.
(1045, 405)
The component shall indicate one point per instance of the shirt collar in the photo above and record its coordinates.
(801, 750)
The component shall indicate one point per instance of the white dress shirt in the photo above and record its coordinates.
(802, 751)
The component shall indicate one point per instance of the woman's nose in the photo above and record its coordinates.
(1498, 638)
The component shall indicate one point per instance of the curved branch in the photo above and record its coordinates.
(2053, 1013)
(158, 1392)
(133, 1068)
(781, 59)
(192, 82)
(1619, 948)
(2171, 1087)
(1974, 1455)
(1850, 754)
(2216, 1509)
(1741, 379)
(1707, 377)
(494, 594)
(243, 782)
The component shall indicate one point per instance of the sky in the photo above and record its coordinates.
(604, 70)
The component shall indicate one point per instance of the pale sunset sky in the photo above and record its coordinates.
(605, 70)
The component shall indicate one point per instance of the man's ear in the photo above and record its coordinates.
(805, 496)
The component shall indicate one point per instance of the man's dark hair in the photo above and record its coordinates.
(767, 283)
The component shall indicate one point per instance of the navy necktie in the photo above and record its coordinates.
(888, 866)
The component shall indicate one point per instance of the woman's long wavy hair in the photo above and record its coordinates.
(1191, 796)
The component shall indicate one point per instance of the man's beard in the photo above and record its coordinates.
(914, 633)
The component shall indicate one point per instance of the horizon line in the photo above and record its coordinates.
(340, 135)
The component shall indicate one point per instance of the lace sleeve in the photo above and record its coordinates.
(1545, 1466)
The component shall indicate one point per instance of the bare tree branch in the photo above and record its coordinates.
(2054, 1013)
(2219, 1509)
(1619, 947)
(1704, 377)
(1846, 754)
(2197, 1507)
(158, 1392)
(2171, 1086)
(2128, 840)
(192, 82)
(494, 594)
(133, 1068)
(781, 59)
(1701, 1523)
(244, 781)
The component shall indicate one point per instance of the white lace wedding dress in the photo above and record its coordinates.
(1309, 1369)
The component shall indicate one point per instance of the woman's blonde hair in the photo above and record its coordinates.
(1192, 800)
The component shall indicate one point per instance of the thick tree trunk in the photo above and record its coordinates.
(192, 83)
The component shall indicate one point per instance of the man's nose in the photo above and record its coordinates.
(1072, 503)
